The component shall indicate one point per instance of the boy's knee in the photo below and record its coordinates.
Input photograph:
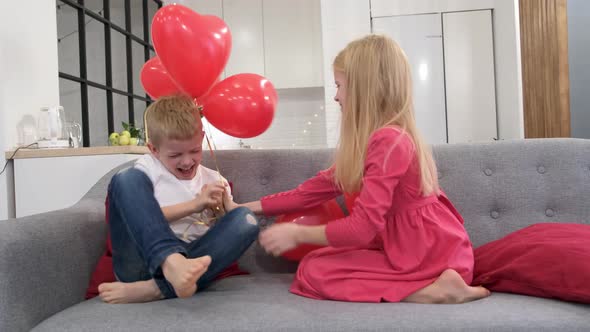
(250, 219)
(128, 178)
(247, 219)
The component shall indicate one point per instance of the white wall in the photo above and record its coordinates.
(506, 44)
(28, 64)
(299, 122)
(6, 197)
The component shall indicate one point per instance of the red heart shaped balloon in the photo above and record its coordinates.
(155, 79)
(193, 48)
(242, 105)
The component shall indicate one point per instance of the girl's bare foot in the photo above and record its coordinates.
(129, 292)
(183, 272)
(449, 288)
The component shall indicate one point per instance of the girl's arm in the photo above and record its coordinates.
(309, 194)
(389, 156)
(254, 206)
(282, 237)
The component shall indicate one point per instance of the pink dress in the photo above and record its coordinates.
(394, 242)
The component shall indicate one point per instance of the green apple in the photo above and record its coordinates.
(124, 140)
(133, 141)
(126, 133)
(114, 138)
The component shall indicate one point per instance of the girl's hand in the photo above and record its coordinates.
(279, 238)
(228, 203)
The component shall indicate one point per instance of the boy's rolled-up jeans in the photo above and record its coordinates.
(142, 239)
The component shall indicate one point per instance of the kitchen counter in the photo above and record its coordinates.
(51, 179)
(73, 152)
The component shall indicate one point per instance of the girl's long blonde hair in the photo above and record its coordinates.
(378, 94)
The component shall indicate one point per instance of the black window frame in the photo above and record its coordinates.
(82, 79)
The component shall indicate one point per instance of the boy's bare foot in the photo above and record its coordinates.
(449, 288)
(183, 272)
(129, 292)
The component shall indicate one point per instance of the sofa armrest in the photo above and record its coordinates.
(46, 261)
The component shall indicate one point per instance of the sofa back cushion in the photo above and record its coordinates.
(504, 186)
(498, 187)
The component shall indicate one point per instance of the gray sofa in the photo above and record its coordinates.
(46, 260)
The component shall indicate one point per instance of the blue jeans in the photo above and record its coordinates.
(142, 238)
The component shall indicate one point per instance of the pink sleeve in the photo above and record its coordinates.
(310, 193)
(389, 155)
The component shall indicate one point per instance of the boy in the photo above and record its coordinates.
(166, 241)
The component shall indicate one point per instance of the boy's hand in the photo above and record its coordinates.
(211, 196)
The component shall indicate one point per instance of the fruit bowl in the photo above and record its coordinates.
(131, 141)
(129, 136)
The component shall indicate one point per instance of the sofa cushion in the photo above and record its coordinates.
(262, 303)
(547, 260)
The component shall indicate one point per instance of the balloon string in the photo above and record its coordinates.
(218, 210)
(200, 108)
(214, 157)
(145, 127)
(211, 134)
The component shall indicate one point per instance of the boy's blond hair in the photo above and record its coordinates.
(378, 94)
(172, 117)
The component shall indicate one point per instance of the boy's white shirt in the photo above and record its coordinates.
(169, 190)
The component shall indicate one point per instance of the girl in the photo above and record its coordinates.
(404, 240)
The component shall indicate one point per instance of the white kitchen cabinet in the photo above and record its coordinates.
(452, 60)
(203, 7)
(60, 178)
(380, 8)
(420, 36)
(292, 43)
(470, 80)
(342, 22)
(278, 39)
(244, 19)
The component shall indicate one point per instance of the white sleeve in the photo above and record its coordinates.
(147, 165)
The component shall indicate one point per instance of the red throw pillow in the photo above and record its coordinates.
(548, 260)
(103, 272)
